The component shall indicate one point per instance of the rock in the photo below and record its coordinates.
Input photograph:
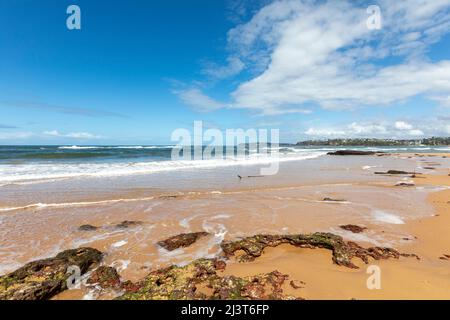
(395, 172)
(87, 227)
(351, 153)
(106, 277)
(181, 240)
(126, 224)
(429, 168)
(42, 279)
(296, 284)
(353, 228)
(405, 184)
(333, 200)
(187, 282)
(343, 252)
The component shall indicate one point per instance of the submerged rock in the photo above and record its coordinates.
(126, 224)
(351, 153)
(42, 279)
(181, 240)
(199, 280)
(343, 252)
(353, 228)
(87, 227)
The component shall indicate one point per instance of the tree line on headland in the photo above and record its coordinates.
(434, 141)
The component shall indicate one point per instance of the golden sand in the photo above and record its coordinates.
(407, 278)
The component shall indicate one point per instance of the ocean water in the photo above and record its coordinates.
(22, 164)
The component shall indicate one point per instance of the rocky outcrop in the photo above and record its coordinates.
(343, 252)
(352, 153)
(200, 280)
(42, 279)
(353, 228)
(181, 240)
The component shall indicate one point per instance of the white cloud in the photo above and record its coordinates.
(73, 135)
(324, 132)
(402, 125)
(199, 101)
(322, 52)
(384, 129)
(234, 66)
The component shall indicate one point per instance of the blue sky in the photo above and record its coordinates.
(137, 70)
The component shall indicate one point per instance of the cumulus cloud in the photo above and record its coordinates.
(402, 125)
(73, 135)
(382, 129)
(322, 53)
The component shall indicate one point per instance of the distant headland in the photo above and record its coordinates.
(434, 141)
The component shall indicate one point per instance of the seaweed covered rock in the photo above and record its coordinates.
(343, 252)
(181, 240)
(200, 280)
(106, 277)
(42, 279)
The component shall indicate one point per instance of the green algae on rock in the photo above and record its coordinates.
(42, 279)
(105, 277)
(199, 280)
(343, 252)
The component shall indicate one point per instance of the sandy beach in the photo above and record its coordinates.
(408, 213)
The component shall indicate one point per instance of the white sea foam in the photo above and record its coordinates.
(71, 204)
(119, 244)
(386, 217)
(10, 173)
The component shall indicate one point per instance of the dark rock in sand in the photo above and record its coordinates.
(343, 252)
(106, 277)
(42, 279)
(351, 153)
(353, 228)
(199, 280)
(181, 240)
(405, 184)
(87, 227)
(126, 224)
(296, 284)
(396, 172)
(333, 200)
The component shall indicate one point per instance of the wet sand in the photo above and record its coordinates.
(406, 278)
